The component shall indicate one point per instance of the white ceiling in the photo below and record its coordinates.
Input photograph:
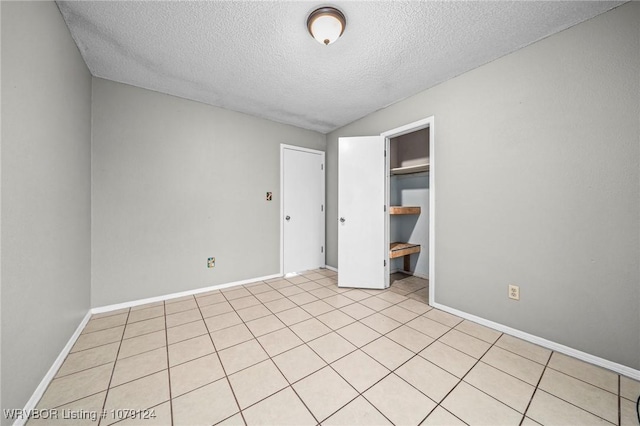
(257, 57)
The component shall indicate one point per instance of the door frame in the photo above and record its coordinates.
(324, 201)
(403, 130)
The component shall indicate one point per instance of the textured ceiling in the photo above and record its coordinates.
(256, 57)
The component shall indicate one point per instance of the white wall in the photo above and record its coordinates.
(46, 142)
(537, 183)
(175, 182)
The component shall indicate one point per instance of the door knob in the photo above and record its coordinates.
(342, 219)
(288, 217)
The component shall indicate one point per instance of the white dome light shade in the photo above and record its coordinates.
(326, 24)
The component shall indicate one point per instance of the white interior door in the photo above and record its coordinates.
(362, 250)
(302, 209)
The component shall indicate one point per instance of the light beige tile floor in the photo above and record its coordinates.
(301, 351)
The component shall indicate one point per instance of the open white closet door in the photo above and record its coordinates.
(362, 242)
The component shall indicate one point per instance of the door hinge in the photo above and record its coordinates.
(321, 249)
(385, 207)
(321, 166)
(385, 263)
(321, 207)
(385, 152)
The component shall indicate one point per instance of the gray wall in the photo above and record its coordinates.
(537, 184)
(46, 142)
(175, 182)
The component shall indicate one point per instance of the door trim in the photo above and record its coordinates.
(324, 201)
(402, 130)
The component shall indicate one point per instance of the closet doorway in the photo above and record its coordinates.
(402, 238)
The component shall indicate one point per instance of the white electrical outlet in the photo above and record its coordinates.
(514, 292)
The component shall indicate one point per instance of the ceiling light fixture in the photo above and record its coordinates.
(326, 24)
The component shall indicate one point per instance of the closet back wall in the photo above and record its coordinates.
(411, 190)
(175, 182)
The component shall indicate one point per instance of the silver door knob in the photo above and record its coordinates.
(342, 219)
(288, 217)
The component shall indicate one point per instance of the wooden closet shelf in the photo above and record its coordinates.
(402, 249)
(404, 210)
(410, 169)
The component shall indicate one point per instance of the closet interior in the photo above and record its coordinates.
(409, 203)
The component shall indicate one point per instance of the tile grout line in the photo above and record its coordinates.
(97, 346)
(329, 364)
(209, 332)
(535, 390)
(619, 403)
(143, 352)
(529, 359)
(84, 369)
(447, 412)
(338, 373)
(581, 380)
(334, 308)
(492, 366)
(166, 339)
(508, 374)
(391, 371)
(461, 379)
(152, 373)
(361, 394)
(95, 366)
(576, 406)
(302, 290)
(450, 328)
(115, 362)
(332, 330)
(303, 342)
(221, 364)
(569, 402)
(286, 326)
(102, 329)
(416, 354)
(290, 385)
(270, 358)
(515, 353)
(78, 399)
(491, 396)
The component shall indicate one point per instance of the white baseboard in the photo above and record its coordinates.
(601, 362)
(139, 302)
(331, 268)
(42, 387)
